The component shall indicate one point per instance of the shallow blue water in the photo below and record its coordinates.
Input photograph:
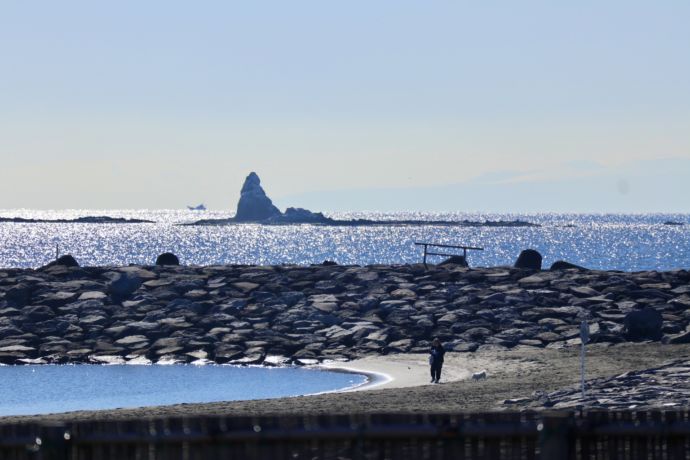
(601, 241)
(42, 389)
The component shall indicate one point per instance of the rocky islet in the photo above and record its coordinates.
(254, 206)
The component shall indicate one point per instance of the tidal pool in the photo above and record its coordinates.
(43, 389)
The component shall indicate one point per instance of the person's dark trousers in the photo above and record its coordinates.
(436, 371)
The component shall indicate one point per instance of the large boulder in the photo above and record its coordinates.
(64, 261)
(455, 260)
(19, 294)
(254, 205)
(643, 324)
(123, 286)
(683, 337)
(167, 258)
(563, 265)
(529, 258)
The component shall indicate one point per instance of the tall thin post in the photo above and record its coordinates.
(425, 246)
(584, 338)
(582, 369)
(57, 251)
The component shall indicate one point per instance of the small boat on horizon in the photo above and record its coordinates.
(200, 207)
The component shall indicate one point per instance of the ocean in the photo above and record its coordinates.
(628, 242)
(40, 389)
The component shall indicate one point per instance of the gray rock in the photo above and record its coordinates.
(123, 285)
(254, 205)
(19, 295)
(643, 324)
(530, 259)
(38, 313)
(132, 340)
(63, 261)
(683, 337)
(92, 295)
(563, 265)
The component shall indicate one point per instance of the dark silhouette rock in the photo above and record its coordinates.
(167, 258)
(529, 258)
(455, 260)
(300, 216)
(78, 220)
(19, 295)
(123, 286)
(38, 313)
(64, 261)
(254, 205)
(563, 265)
(643, 324)
(683, 337)
(329, 263)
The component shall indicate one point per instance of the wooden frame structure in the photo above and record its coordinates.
(435, 245)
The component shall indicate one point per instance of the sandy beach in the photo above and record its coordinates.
(401, 371)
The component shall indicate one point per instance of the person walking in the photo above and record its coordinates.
(436, 360)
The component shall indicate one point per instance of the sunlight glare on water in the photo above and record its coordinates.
(600, 241)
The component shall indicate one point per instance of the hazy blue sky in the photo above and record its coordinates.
(451, 105)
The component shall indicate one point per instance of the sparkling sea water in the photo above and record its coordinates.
(43, 389)
(628, 242)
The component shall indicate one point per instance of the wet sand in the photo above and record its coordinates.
(510, 373)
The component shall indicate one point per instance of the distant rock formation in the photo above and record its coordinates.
(254, 205)
(301, 216)
(78, 220)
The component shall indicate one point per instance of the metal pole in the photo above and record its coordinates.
(582, 369)
(584, 338)
(57, 251)
(425, 246)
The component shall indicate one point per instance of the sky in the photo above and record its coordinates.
(389, 105)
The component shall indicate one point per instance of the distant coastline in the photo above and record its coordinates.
(78, 220)
(367, 222)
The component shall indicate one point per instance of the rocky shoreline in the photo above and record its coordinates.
(78, 220)
(665, 386)
(303, 315)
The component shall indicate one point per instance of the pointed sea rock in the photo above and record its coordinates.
(254, 205)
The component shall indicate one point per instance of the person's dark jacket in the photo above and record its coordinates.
(437, 354)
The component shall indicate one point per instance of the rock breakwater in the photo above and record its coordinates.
(665, 386)
(274, 314)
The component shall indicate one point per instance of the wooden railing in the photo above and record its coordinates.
(497, 435)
